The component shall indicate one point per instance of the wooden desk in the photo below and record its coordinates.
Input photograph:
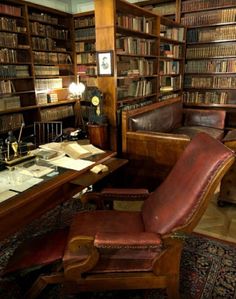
(23, 208)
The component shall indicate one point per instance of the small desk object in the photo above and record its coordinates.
(21, 209)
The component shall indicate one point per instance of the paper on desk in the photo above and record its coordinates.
(70, 163)
(36, 170)
(7, 194)
(26, 184)
(93, 149)
(56, 146)
(60, 146)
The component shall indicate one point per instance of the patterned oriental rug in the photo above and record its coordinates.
(208, 266)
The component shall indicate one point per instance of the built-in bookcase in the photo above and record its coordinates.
(147, 57)
(16, 78)
(165, 8)
(36, 64)
(211, 52)
(85, 48)
(52, 54)
(210, 55)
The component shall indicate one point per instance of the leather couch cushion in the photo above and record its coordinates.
(192, 131)
(163, 119)
(206, 118)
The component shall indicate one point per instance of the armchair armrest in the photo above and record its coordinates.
(111, 194)
(123, 240)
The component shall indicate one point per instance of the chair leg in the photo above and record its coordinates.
(41, 283)
(173, 288)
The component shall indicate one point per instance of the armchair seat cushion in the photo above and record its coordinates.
(89, 223)
(115, 258)
(191, 131)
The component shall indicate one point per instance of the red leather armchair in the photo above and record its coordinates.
(109, 249)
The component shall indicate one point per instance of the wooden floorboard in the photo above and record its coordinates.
(219, 222)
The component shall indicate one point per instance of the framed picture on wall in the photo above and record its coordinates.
(105, 63)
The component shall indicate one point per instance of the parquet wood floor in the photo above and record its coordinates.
(219, 222)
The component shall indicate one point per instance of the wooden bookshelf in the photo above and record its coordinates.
(51, 38)
(210, 55)
(165, 8)
(36, 63)
(134, 40)
(85, 48)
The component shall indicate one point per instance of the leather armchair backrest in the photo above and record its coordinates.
(176, 200)
(207, 118)
(163, 119)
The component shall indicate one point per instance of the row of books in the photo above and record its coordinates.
(46, 70)
(168, 83)
(169, 67)
(211, 66)
(10, 25)
(85, 47)
(6, 86)
(171, 51)
(90, 70)
(209, 82)
(136, 23)
(44, 17)
(8, 55)
(44, 98)
(10, 10)
(213, 17)
(127, 66)
(223, 50)
(136, 103)
(211, 34)
(10, 103)
(165, 97)
(48, 31)
(8, 71)
(193, 5)
(10, 122)
(86, 58)
(167, 9)
(135, 45)
(172, 33)
(85, 33)
(8, 39)
(57, 113)
(207, 97)
(54, 58)
(89, 81)
(83, 22)
(39, 43)
(133, 88)
(44, 84)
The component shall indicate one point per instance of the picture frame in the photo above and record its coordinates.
(105, 63)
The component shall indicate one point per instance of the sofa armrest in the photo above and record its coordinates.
(166, 135)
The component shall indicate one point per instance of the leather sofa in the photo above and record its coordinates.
(156, 135)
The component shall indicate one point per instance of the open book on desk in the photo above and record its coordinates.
(73, 149)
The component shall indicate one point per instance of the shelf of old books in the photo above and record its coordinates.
(210, 53)
(85, 48)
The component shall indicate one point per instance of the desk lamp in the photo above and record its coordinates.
(76, 90)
